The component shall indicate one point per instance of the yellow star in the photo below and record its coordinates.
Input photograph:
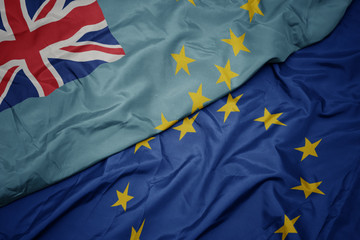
(268, 119)
(123, 198)
(182, 61)
(237, 43)
(135, 235)
(186, 126)
(288, 227)
(230, 106)
(165, 124)
(253, 7)
(308, 149)
(144, 143)
(191, 1)
(198, 99)
(226, 74)
(308, 188)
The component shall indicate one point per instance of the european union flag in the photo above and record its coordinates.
(277, 158)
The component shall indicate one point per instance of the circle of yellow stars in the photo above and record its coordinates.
(199, 101)
(197, 98)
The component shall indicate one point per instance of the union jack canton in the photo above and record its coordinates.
(47, 43)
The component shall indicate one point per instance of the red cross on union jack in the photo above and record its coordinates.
(53, 32)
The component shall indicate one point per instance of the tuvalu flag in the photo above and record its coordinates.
(70, 97)
(276, 159)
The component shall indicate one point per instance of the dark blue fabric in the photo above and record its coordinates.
(72, 70)
(23, 88)
(67, 2)
(32, 6)
(228, 180)
(102, 36)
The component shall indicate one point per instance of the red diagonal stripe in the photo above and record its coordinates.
(47, 8)
(70, 25)
(4, 82)
(43, 75)
(85, 48)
